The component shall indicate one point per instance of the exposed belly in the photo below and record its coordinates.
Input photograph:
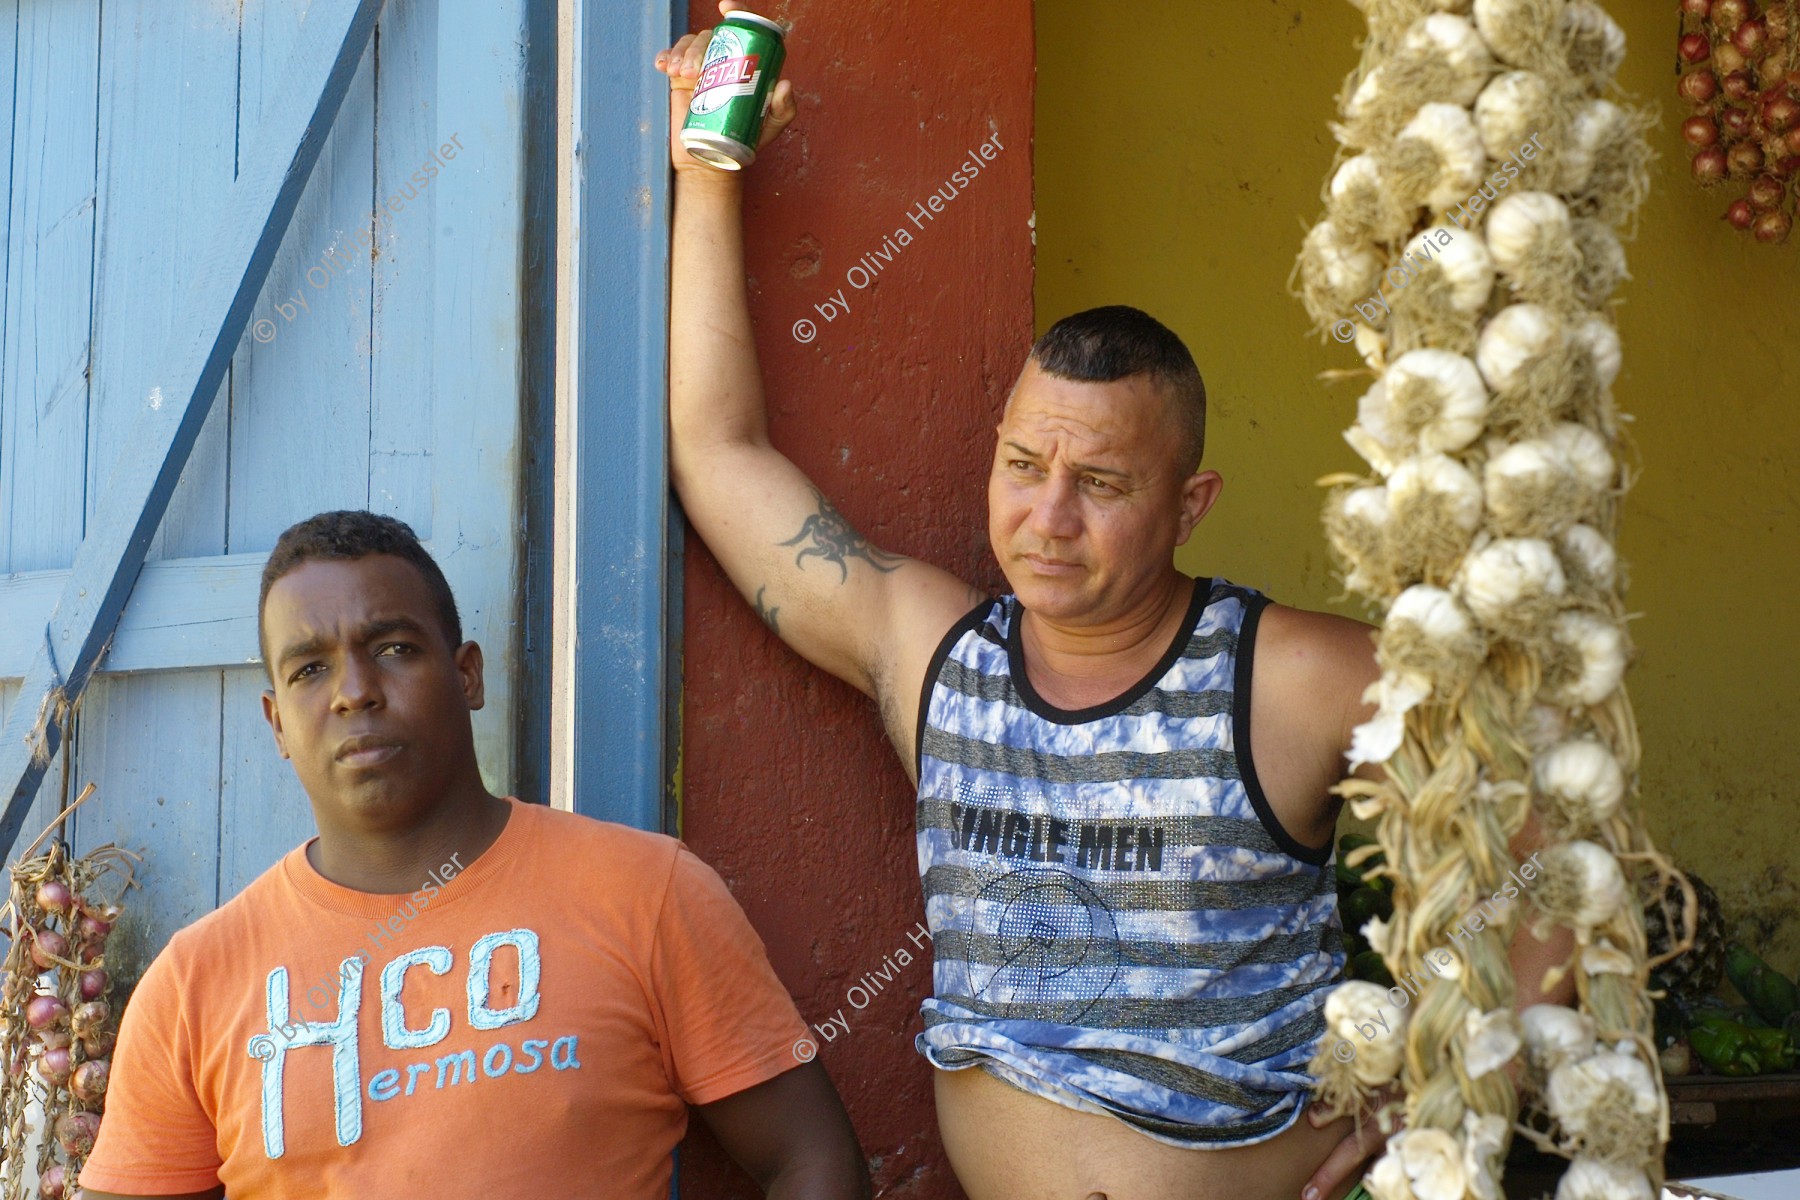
(1006, 1144)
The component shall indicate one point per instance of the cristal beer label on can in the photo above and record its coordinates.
(731, 97)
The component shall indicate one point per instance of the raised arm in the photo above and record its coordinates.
(847, 606)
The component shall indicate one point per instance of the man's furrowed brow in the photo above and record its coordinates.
(367, 632)
(300, 649)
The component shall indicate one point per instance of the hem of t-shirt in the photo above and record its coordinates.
(313, 887)
(742, 1079)
(128, 1184)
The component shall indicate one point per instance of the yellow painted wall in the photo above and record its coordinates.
(1179, 159)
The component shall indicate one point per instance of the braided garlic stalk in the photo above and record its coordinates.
(1486, 536)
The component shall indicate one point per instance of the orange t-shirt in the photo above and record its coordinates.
(533, 1023)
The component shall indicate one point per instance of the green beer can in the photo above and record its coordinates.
(731, 98)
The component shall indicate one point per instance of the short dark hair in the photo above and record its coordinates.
(1114, 342)
(349, 534)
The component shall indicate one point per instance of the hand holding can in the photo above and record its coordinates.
(726, 100)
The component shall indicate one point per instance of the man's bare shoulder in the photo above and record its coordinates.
(1316, 661)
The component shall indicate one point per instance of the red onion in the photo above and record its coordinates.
(93, 928)
(1700, 131)
(93, 984)
(1776, 19)
(1751, 38)
(1737, 86)
(41, 1012)
(1709, 165)
(76, 1131)
(1727, 57)
(1696, 8)
(89, 1080)
(99, 1043)
(1694, 48)
(1737, 123)
(44, 943)
(1772, 227)
(1743, 160)
(1786, 167)
(50, 1183)
(1727, 15)
(1780, 112)
(88, 1016)
(1697, 87)
(1765, 193)
(53, 1065)
(54, 896)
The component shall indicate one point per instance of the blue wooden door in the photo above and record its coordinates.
(382, 370)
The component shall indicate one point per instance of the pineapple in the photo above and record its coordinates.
(1696, 973)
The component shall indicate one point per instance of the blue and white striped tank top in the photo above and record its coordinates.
(1119, 923)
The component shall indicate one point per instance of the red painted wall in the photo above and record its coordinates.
(791, 791)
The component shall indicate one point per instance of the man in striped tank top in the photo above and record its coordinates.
(1125, 825)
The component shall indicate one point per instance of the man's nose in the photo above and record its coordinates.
(1054, 515)
(358, 684)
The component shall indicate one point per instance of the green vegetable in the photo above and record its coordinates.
(1725, 1047)
(1363, 904)
(1370, 967)
(1772, 994)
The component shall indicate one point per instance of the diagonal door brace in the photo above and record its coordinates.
(257, 209)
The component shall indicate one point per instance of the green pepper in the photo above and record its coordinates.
(1775, 1050)
(1725, 1047)
(1772, 994)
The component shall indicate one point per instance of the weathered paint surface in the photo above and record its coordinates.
(1194, 211)
(393, 387)
(792, 792)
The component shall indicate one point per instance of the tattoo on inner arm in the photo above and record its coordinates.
(767, 614)
(830, 537)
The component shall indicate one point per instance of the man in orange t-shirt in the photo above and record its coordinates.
(448, 993)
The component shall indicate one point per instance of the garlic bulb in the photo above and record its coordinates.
(1596, 123)
(1363, 205)
(1583, 1095)
(1444, 161)
(1595, 335)
(1520, 337)
(1555, 1035)
(1602, 259)
(1489, 1040)
(1433, 611)
(1582, 885)
(1437, 398)
(1484, 1144)
(1357, 1004)
(1465, 262)
(1369, 91)
(1524, 228)
(1452, 42)
(1582, 774)
(1585, 452)
(1394, 695)
(1596, 43)
(1420, 1164)
(1376, 435)
(1436, 489)
(1531, 489)
(1511, 108)
(1588, 558)
(1506, 573)
(1512, 28)
(1599, 649)
(1596, 1179)
(1338, 270)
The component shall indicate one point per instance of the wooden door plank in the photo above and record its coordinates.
(48, 287)
(476, 340)
(214, 312)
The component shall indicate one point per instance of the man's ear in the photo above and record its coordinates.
(272, 715)
(1199, 492)
(468, 667)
